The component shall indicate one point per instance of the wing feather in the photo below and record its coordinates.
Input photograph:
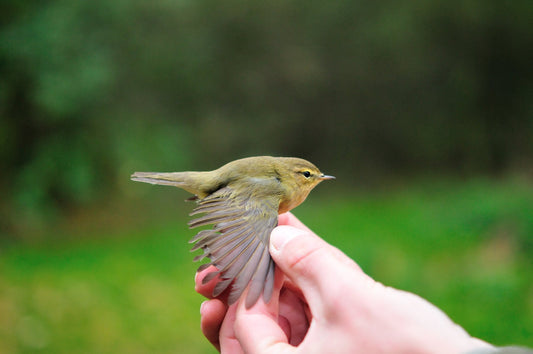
(237, 245)
(258, 281)
(269, 282)
(246, 272)
(202, 235)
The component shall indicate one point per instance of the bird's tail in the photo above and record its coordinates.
(176, 179)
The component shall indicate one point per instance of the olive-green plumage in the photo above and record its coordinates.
(242, 200)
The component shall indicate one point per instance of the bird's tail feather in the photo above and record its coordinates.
(163, 178)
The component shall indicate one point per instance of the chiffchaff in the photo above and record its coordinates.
(242, 200)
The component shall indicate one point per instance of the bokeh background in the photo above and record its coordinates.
(423, 110)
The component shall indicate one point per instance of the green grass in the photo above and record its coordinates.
(465, 246)
(127, 294)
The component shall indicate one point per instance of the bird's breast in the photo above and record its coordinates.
(292, 196)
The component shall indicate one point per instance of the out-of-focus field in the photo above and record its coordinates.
(466, 246)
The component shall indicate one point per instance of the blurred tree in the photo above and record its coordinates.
(90, 91)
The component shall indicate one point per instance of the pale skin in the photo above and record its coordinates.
(324, 303)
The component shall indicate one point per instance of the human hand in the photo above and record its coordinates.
(323, 302)
(293, 313)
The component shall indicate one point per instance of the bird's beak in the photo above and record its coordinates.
(325, 177)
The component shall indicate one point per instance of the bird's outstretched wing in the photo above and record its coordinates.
(238, 243)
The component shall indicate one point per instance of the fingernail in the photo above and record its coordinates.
(281, 235)
(202, 306)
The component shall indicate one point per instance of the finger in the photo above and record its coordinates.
(228, 341)
(258, 331)
(293, 310)
(207, 288)
(289, 286)
(213, 313)
(322, 271)
(259, 328)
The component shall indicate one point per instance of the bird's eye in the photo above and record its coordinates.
(306, 174)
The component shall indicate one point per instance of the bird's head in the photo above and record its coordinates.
(299, 177)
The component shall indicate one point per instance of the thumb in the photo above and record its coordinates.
(320, 270)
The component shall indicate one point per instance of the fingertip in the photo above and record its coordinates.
(289, 246)
(212, 315)
(199, 276)
(281, 235)
(207, 288)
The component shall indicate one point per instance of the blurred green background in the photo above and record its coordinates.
(423, 110)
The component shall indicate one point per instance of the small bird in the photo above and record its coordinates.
(242, 200)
